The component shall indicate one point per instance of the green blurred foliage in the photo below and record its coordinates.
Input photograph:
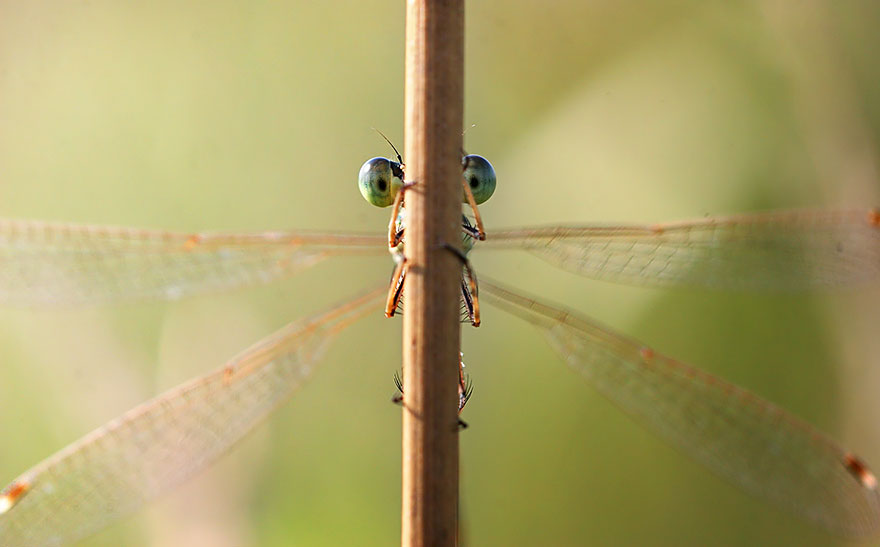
(242, 116)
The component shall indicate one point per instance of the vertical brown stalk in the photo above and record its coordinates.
(431, 330)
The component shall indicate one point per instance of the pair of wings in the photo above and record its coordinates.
(116, 468)
(46, 263)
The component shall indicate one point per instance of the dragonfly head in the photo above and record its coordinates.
(480, 175)
(379, 180)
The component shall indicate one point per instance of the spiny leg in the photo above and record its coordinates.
(396, 232)
(469, 290)
(398, 382)
(395, 235)
(478, 220)
(465, 390)
(395, 291)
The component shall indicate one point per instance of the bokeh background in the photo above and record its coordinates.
(250, 116)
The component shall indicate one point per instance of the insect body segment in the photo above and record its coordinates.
(382, 183)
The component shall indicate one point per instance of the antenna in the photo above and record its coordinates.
(399, 159)
(463, 133)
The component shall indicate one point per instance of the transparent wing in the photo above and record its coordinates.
(793, 250)
(733, 432)
(42, 263)
(114, 469)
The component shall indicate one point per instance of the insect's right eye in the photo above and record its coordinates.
(379, 180)
(480, 176)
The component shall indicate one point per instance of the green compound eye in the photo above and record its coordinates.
(379, 180)
(480, 176)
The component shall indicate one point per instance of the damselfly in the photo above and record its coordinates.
(115, 469)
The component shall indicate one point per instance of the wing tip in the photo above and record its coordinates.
(860, 471)
(12, 494)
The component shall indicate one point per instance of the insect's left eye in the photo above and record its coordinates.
(379, 180)
(480, 176)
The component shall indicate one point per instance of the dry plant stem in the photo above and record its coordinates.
(431, 329)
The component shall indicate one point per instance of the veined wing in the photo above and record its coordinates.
(48, 263)
(736, 434)
(116, 468)
(790, 250)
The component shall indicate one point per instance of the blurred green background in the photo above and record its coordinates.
(246, 116)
